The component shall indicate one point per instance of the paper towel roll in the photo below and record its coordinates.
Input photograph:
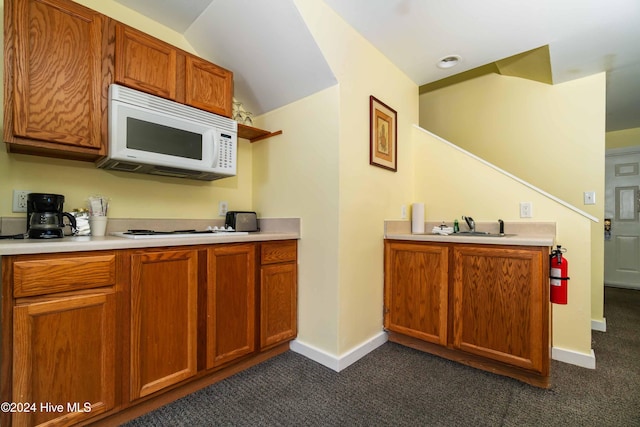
(417, 218)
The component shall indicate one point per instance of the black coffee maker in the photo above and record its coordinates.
(45, 216)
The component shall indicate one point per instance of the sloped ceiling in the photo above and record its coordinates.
(266, 44)
(276, 61)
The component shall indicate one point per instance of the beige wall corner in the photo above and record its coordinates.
(462, 184)
(623, 138)
(552, 136)
(367, 194)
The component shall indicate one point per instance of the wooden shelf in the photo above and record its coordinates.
(255, 134)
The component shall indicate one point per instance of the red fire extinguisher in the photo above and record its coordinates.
(559, 274)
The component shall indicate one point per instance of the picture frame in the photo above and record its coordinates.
(383, 135)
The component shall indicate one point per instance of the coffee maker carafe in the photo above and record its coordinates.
(45, 216)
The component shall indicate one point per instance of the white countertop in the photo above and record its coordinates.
(272, 229)
(518, 234)
(89, 243)
(515, 239)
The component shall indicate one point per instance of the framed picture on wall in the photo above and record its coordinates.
(383, 149)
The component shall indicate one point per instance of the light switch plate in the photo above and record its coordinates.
(526, 210)
(589, 197)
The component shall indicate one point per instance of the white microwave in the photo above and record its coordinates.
(149, 134)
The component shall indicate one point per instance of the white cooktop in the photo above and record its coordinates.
(173, 235)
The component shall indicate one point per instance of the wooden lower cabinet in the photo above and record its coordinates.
(278, 293)
(500, 307)
(91, 337)
(416, 290)
(59, 329)
(483, 305)
(230, 303)
(164, 319)
(64, 357)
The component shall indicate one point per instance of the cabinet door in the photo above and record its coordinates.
(64, 354)
(54, 52)
(208, 86)
(416, 290)
(501, 305)
(230, 303)
(164, 287)
(278, 303)
(145, 63)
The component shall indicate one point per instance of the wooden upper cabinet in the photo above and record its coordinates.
(53, 79)
(145, 63)
(208, 86)
(150, 65)
(60, 58)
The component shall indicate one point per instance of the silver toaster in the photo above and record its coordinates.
(241, 221)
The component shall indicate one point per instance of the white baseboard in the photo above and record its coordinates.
(599, 325)
(574, 358)
(621, 285)
(338, 363)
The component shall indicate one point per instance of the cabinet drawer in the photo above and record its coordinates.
(39, 275)
(281, 251)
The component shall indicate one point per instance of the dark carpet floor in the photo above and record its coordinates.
(398, 386)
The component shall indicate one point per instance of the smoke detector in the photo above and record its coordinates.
(449, 61)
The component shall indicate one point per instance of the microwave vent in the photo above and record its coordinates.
(182, 173)
(123, 166)
(158, 170)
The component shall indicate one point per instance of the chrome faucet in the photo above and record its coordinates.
(470, 223)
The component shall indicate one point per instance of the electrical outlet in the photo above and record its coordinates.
(589, 197)
(223, 207)
(526, 210)
(20, 200)
(403, 212)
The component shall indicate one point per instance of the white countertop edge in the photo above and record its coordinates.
(516, 240)
(90, 243)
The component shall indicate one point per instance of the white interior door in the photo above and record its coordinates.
(622, 206)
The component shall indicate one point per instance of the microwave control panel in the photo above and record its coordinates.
(226, 155)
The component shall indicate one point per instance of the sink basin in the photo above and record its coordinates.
(479, 234)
